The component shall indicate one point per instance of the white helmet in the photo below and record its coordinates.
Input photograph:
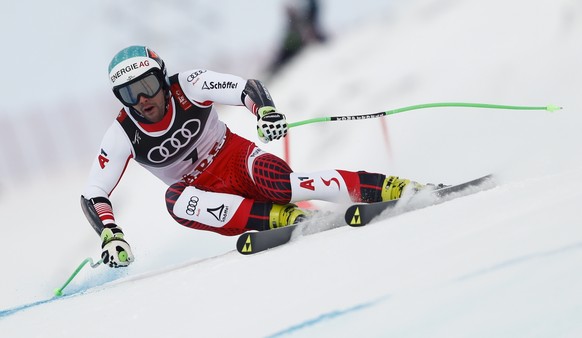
(137, 71)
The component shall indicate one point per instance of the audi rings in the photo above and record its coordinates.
(192, 205)
(171, 146)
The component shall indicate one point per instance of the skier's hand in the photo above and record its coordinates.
(270, 124)
(115, 250)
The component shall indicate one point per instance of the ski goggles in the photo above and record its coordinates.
(147, 86)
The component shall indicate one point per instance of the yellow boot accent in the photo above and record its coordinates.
(283, 215)
(393, 187)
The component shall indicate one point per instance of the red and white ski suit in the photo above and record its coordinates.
(218, 181)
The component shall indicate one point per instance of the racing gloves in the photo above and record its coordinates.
(115, 250)
(270, 124)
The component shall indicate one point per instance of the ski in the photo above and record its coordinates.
(356, 215)
(319, 221)
(253, 242)
(359, 215)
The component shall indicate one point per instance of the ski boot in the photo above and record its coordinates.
(395, 188)
(284, 215)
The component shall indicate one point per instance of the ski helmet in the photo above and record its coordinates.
(135, 71)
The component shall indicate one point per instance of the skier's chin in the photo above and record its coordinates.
(153, 114)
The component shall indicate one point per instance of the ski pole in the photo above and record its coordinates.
(59, 291)
(550, 108)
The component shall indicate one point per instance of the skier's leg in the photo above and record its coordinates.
(347, 186)
(276, 182)
(222, 213)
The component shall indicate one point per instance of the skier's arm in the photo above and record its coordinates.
(106, 172)
(256, 96)
(206, 87)
(271, 125)
(90, 206)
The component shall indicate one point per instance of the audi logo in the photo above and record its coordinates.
(194, 75)
(192, 205)
(179, 139)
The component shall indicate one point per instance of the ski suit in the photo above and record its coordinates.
(217, 180)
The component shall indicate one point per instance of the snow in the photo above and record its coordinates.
(500, 263)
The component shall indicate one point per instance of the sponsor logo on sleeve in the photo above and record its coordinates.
(103, 160)
(210, 85)
(194, 75)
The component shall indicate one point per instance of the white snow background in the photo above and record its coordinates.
(506, 262)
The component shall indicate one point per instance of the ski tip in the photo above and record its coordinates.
(244, 244)
(353, 217)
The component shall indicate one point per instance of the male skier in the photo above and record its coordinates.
(217, 180)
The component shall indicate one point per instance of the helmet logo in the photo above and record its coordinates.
(129, 68)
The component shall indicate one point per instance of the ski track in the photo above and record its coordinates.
(106, 279)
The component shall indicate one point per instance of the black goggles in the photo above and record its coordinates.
(147, 86)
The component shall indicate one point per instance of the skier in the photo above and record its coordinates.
(303, 29)
(218, 181)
